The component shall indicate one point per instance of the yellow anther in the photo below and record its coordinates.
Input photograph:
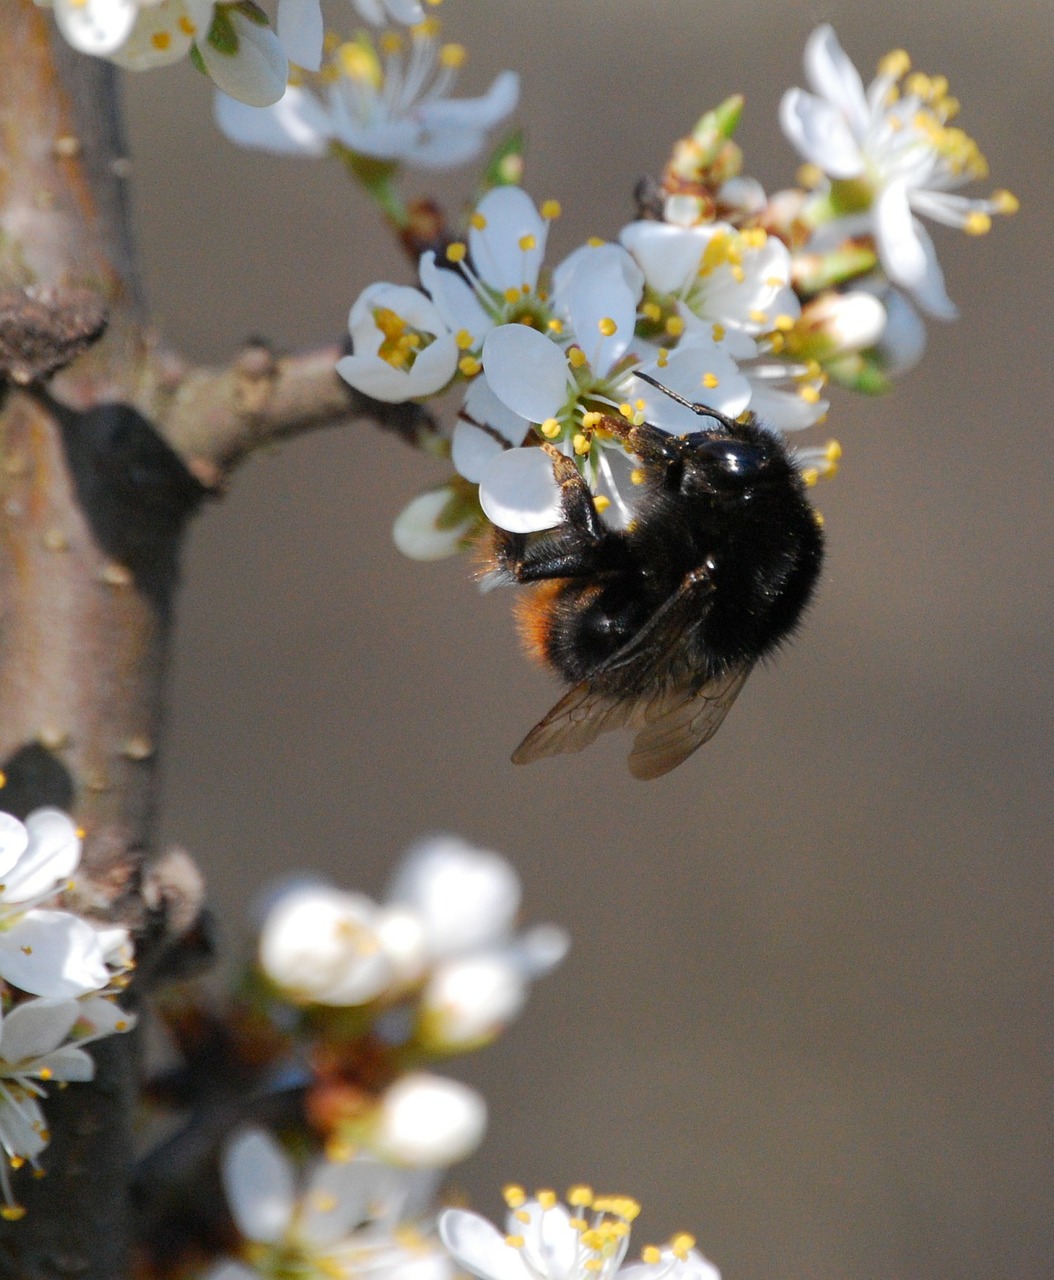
(511, 295)
(580, 1224)
(12, 1212)
(650, 1254)
(595, 242)
(776, 342)
(81, 833)
(758, 316)
(464, 339)
(626, 410)
(601, 502)
(809, 477)
(469, 366)
(325, 1201)
(652, 311)
(16, 1162)
(590, 419)
(709, 380)
(550, 428)
(46, 1073)
(718, 332)
(784, 323)
(833, 452)
(977, 223)
(187, 27)
(896, 63)
(514, 1242)
(521, 1215)
(391, 42)
(681, 1243)
(674, 326)
(26, 949)
(527, 243)
(546, 1198)
(453, 55)
(120, 1025)
(809, 176)
(636, 476)
(621, 1206)
(161, 41)
(551, 209)
(582, 447)
(478, 221)
(426, 29)
(514, 1195)
(455, 252)
(3, 783)
(738, 274)
(663, 358)
(754, 237)
(593, 1264)
(809, 394)
(359, 62)
(576, 357)
(607, 326)
(555, 326)
(1004, 201)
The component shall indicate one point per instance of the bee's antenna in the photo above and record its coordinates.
(703, 410)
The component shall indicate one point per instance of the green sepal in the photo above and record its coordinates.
(860, 371)
(222, 35)
(815, 272)
(505, 165)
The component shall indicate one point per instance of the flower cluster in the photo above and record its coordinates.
(58, 972)
(232, 43)
(339, 1218)
(722, 295)
(386, 98)
(586, 1239)
(437, 969)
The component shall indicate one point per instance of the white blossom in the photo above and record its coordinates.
(339, 1218)
(41, 1041)
(45, 951)
(890, 156)
(586, 1239)
(428, 1121)
(390, 101)
(235, 44)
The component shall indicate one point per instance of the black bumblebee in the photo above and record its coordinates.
(658, 625)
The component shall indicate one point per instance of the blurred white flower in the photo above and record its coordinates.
(428, 1121)
(233, 42)
(389, 101)
(380, 12)
(890, 154)
(345, 1218)
(44, 951)
(321, 946)
(41, 1041)
(586, 1239)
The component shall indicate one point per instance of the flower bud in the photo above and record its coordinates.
(429, 1121)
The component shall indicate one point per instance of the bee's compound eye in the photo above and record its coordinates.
(734, 459)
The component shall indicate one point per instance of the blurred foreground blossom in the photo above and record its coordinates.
(889, 154)
(341, 1218)
(445, 935)
(388, 100)
(586, 1239)
(232, 43)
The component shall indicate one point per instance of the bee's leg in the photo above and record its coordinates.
(573, 550)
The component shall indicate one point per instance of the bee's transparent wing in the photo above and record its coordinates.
(680, 722)
(623, 689)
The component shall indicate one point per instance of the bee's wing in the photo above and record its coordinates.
(680, 721)
(596, 705)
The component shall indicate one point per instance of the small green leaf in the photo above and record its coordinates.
(222, 35)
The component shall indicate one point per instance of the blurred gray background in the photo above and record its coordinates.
(807, 1013)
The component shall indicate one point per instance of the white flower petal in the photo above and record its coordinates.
(550, 1243)
(668, 255)
(366, 370)
(296, 124)
(257, 73)
(834, 77)
(604, 286)
(340, 1196)
(159, 37)
(429, 1121)
(22, 1126)
(511, 220)
(904, 337)
(36, 1027)
(906, 251)
(467, 898)
(472, 449)
(478, 1246)
(519, 493)
(14, 840)
(690, 369)
(52, 953)
(527, 371)
(475, 114)
(300, 29)
(258, 1179)
(468, 1001)
(53, 855)
(417, 532)
(97, 27)
(454, 299)
(822, 135)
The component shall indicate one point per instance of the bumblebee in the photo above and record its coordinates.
(657, 626)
